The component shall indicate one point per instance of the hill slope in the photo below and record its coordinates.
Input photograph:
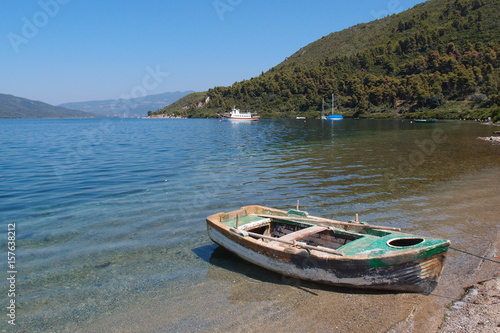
(129, 107)
(439, 59)
(17, 107)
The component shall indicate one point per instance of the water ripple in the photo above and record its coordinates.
(107, 207)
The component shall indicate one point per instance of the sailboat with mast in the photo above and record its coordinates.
(334, 116)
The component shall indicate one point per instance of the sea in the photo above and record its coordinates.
(103, 220)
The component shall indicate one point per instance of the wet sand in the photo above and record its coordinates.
(240, 297)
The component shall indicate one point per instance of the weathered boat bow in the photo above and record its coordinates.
(339, 253)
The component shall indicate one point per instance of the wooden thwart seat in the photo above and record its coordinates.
(255, 224)
(303, 233)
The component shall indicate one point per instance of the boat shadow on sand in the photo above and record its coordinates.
(219, 257)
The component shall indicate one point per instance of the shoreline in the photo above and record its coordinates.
(478, 310)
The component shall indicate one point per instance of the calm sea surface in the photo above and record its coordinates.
(109, 213)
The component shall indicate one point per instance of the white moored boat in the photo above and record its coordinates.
(236, 114)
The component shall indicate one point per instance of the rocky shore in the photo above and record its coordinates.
(478, 311)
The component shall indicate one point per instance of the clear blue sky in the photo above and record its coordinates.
(60, 51)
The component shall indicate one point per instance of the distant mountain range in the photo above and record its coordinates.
(18, 107)
(136, 107)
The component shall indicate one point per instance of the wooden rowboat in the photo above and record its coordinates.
(349, 254)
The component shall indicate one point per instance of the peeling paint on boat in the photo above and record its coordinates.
(301, 250)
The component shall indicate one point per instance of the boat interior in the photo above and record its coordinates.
(290, 228)
(285, 231)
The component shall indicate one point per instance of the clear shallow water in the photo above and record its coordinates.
(111, 212)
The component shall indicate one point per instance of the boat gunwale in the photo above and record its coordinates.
(389, 254)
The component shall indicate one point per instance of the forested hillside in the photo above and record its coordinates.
(438, 59)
